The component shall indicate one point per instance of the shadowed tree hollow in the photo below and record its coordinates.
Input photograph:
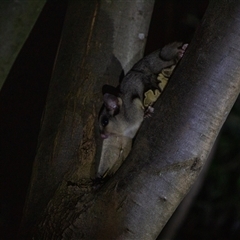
(99, 40)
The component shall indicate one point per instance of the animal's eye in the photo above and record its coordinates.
(104, 121)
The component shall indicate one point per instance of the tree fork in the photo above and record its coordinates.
(168, 153)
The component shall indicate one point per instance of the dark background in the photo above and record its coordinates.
(215, 213)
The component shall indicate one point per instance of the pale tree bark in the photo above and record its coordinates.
(170, 148)
(177, 219)
(17, 19)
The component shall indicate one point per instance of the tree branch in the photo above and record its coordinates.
(95, 49)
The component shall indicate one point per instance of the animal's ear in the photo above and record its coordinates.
(112, 103)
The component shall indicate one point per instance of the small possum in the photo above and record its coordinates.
(123, 111)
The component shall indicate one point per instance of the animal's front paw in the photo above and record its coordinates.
(182, 50)
(148, 112)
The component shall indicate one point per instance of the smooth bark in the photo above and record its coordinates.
(17, 19)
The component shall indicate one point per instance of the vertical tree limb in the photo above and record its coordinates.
(95, 49)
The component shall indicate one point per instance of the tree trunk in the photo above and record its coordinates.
(100, 39)
(170, 148)
(17, 19)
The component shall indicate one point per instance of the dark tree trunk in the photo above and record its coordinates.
(170, 148)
